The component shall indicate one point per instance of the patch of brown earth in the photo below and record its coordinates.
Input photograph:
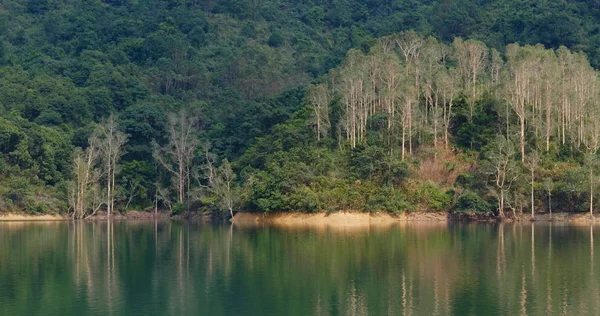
(11, 217)
(344, 219)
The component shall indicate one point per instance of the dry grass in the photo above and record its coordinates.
(440, 165)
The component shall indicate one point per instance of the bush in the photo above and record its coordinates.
(471, 202)
(276, 39)
(388, 199)
(432, 198)
(177, 208)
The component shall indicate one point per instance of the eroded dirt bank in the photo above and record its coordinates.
(12, 217)
(337, 219)
(380, 218)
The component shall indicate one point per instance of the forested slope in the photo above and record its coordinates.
(236, 73)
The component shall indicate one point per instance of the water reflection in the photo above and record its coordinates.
(171, 268)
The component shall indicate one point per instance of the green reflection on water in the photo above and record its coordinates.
(171, 268)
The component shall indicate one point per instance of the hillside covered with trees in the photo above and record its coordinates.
(219, 106)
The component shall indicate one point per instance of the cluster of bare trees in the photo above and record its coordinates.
(177, 156)
(193, 173)
(413, 82)
(193, 168)
(547, 96)
(99, 161)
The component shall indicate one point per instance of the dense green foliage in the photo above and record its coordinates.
(243, 67)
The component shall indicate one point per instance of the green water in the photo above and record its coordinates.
(147, 268)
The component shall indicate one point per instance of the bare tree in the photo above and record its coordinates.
(177, 156)
(446, 82)
(84, 192)
(319, 98)
(550, 80)
(549, 187)
(496, 64)
(210, 167)
(592, 144)
(224, 187)
(503, 170)
(409, 99)
(133, 189)
(164, 196)
(520, 64)
(532, 163)
(111, 147)
(471, 57)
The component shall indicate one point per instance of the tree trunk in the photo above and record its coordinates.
(112, 198)
(550, 204)
(181, 182)
(108, 210)
(591, 193)
(532, 202)
(501, 206)
(522, 138)
(403, 140)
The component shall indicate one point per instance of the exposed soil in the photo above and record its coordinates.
(337, 219)
(347, 219)
(24, 217)
(340, 219)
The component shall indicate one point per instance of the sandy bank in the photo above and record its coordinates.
(349, 219)
(11, 217)
(337, 219)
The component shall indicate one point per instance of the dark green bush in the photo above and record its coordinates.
(471, 202)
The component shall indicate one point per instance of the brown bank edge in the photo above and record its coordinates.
(350, 218)
(15, 217)
(344, 218)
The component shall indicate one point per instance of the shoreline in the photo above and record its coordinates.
(101, 216)
(349, 218)
(342, 219)
(339, 219)
(17, 217)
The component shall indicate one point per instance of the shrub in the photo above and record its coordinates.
(433, 198)
(177, 208)
(471, 202)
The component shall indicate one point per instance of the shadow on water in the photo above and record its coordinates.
(176, 268)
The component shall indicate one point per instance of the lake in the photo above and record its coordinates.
(187, 268)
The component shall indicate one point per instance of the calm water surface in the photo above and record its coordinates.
(170, 268)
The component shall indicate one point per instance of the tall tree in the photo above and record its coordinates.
(592, 144)
(532, 163)
(111, 146)
(517, 86)
(225, 188)
(549, 188)
(471, 57)
(84, 191)
(319, 98)
(178, 154)
(503, 171)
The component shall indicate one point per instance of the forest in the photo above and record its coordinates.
(215, 107)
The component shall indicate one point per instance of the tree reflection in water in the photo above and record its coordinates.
(173, 268)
